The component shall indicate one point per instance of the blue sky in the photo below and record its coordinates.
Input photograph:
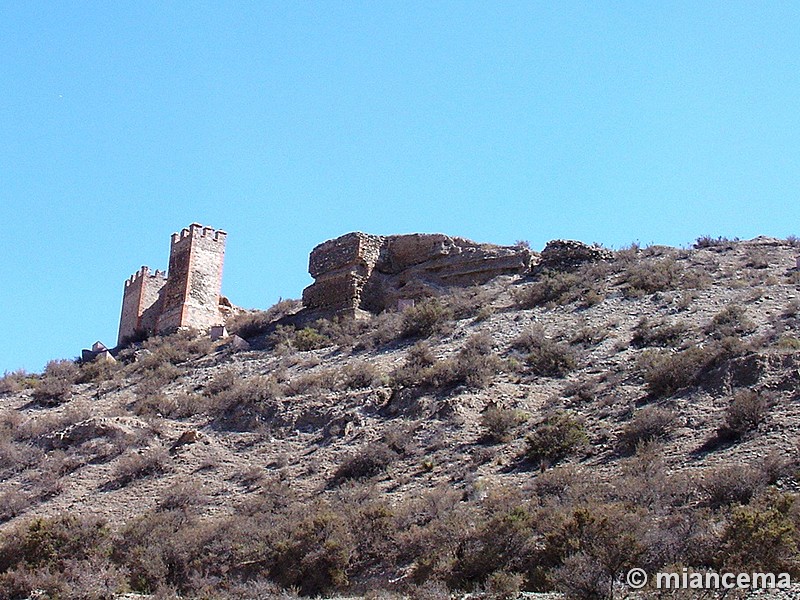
(289, 123)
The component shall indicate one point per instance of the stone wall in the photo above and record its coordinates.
(358, 272)
(141, 303)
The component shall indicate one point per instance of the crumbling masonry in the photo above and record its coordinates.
(188, 296)
(359, 273)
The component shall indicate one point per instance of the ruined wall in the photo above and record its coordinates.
(192, 293)
(341, 268)
(359, 272)
(141, 303)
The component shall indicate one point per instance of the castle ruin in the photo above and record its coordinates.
(358, 273)
(187, 296)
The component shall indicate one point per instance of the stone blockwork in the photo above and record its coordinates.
(141, 303)
(358, 272)
(562, 255)
(189, 296)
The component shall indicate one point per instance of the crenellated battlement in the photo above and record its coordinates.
(196, 230)
(143, 272)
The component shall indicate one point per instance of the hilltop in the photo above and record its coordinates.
(545, 429)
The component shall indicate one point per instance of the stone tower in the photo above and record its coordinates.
(141, 304)
(188, 296)
(191, 295)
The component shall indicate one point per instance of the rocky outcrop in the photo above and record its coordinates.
(359, 272)
(563, 255)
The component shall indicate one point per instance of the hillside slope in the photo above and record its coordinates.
(544, 432)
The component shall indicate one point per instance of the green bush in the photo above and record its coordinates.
(556, 438)
(309, 338)
(762, 537)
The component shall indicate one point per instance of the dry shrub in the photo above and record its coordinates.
(667, 372)
(383, 329)
(253, 323)
(732, 484)
(650, 276)
(15, 381)
(16, 457)
(659, 333)
(63, 557)
(554, 439)
(98, 371)
(246, 405)
(650, 424)
(360, 375)
(475, 365)
(745, 413)
(314, 382)
(707, 241)
(590, 335)
(39, 425)
(55, 385)
(138, 465)
(174, 349)
(153, 380)
(414, 371)
(12, 503)
(545, 356)
(502, 585)
(730, 321)
(498, 423)
(551, 288)
(371, 460)
(178, 405)
(468, 302)
(757, 259)
(427, 318)
(550, 359)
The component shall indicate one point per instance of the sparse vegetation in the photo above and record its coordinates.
(462, 446)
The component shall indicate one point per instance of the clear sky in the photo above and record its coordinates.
(289, 123)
